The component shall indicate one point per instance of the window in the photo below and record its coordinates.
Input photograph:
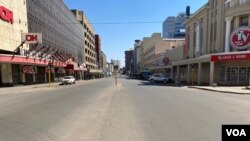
(243, 21)
(242, 1)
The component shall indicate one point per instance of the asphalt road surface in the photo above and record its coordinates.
(132, 111)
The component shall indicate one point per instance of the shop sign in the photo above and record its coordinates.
(165, 61)
(61, 70)
(29, 69)
(32, 38)
(6, 15)
(230, 57)
(240, 38)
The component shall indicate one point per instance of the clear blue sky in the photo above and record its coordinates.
(116, 38)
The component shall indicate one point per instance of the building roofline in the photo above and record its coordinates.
(204, 7)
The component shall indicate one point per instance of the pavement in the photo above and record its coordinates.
(40, 87)
(224, 89)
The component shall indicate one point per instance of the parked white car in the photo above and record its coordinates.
(69, 80)
(160, 78)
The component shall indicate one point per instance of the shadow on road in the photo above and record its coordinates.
(147, 83)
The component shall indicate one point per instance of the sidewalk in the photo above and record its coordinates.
(224, 89)
(39, 87)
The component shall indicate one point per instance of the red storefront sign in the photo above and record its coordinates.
(240, 38)
(31, 38)
(6, 15)
(230, 57)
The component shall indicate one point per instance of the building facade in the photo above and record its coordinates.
(12, 26)
(217, 45)
(137, 56)
(129, 61)
(58, 50)
(62, 38)
(103, 63)
(116, 63)
(89, 45)
(155, 45)
(98, 51)
(110, 69)
(173, 26)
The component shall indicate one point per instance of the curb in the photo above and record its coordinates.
(218, 90)
(40, 87)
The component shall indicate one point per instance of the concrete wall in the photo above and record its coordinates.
(10, 35)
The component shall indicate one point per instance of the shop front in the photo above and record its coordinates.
(233, 68)
(21, 70)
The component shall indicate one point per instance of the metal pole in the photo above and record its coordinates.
(49, 79)
(116, 78)
(192, 76)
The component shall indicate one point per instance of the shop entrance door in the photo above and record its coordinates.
(232, 75)
(243, 75)
(15, 74)
(237, 75)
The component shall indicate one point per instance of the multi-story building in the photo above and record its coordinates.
(217, 44)
(98, 51)
(103, 61)
(89, 45)
(110, 69)
(173, 26)
(137, 56)
(154, 45)
(129, 61)
(10, 38)
(65, 39)
(116, 63)
(61, 44)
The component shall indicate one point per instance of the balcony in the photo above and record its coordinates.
(237, 7)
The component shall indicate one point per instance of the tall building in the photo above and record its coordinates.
(103, 61)
(98, 50)
(129, 61)
(217, 45)
(89, 45)
(173, 26)
(65, 38)
(137, 56)
(61, 45)
(116, 62)
(10, 38)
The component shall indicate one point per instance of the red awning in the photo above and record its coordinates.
(31, 61)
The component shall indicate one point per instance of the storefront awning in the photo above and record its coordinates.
(29, 61)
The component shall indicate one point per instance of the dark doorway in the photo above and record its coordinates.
(1, 83)
(16, 74)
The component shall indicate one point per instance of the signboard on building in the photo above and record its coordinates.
(240, 38)
(29, 69)
(230, 57)
(6, 15)
(32, 38)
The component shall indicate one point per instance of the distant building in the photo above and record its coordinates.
(88, 46)
(116, 62)
(103, 61)
(98, 51)
(129, 56)
(110, 69)
(137, 56)
(173, 26)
